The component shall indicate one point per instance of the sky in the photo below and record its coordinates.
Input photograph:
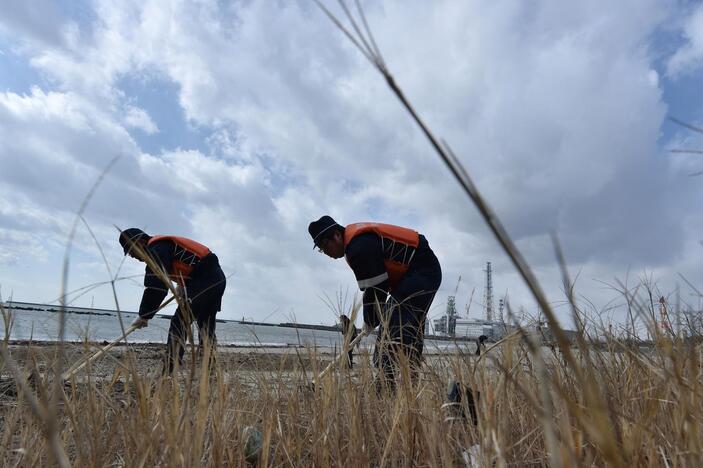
(237, 123)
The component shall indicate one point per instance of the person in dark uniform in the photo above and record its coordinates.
(201, 284)
(399, 275)
(346, 323)
(480, 344)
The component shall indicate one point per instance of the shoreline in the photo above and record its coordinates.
(234, 348)
(11, 306)
(49, 343)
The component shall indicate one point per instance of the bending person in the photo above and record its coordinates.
(399, 275)
(201, 284)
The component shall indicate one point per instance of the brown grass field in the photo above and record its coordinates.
(611, 405)
(586, 403)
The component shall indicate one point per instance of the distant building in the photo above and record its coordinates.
(469, 328)
(440, 325)
(451, 323)
(473, 328)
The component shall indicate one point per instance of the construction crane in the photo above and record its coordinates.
(468, 304)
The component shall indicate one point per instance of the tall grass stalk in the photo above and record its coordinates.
(600, 424)
(115, 414)
(593, 401)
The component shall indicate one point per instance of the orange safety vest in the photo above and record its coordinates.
(399, 245)
(186, 254)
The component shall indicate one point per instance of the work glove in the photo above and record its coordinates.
(140, 322)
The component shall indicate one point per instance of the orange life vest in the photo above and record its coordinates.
(186, 255)
(398, 243)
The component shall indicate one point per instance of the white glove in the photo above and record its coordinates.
(140, 322)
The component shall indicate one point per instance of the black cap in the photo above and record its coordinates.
(320, 229)
(130, 236)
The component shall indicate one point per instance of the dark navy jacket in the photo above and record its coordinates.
(364, 253)
(154, 288)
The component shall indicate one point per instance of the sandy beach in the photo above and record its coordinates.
(246, 364)
(232, 358)
(148, 357)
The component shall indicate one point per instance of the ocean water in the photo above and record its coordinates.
(42, 325)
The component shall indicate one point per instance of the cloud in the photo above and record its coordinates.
(689, 57)
(138, 118)
(41, 21)
(554, 109)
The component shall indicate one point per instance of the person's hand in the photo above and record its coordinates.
(140, 322)
(366, 329)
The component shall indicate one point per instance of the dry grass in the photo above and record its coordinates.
(610, 404)
(638, 407)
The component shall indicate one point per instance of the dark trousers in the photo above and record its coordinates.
(204, 299)
(401, 333)
(350, 353)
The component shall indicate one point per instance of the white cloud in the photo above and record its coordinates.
(689, 57)
(555, 110)
(139, 118)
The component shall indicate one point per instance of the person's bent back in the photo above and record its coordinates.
(399, 275)
(201, 284)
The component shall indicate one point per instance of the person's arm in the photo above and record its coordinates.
(355, 333)
(365, 257)
(155, 290)
(374, 300)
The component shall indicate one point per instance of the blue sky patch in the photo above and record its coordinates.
(159, 98)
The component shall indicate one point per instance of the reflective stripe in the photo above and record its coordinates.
(411, 256)
(405, 241)
(376, 280)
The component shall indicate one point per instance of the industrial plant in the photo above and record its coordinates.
(452, 323)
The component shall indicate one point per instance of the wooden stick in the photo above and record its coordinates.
(69, 373)
(66, 375)
(500, 342)
(343, 354)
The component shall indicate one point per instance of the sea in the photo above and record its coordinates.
(40, 322)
